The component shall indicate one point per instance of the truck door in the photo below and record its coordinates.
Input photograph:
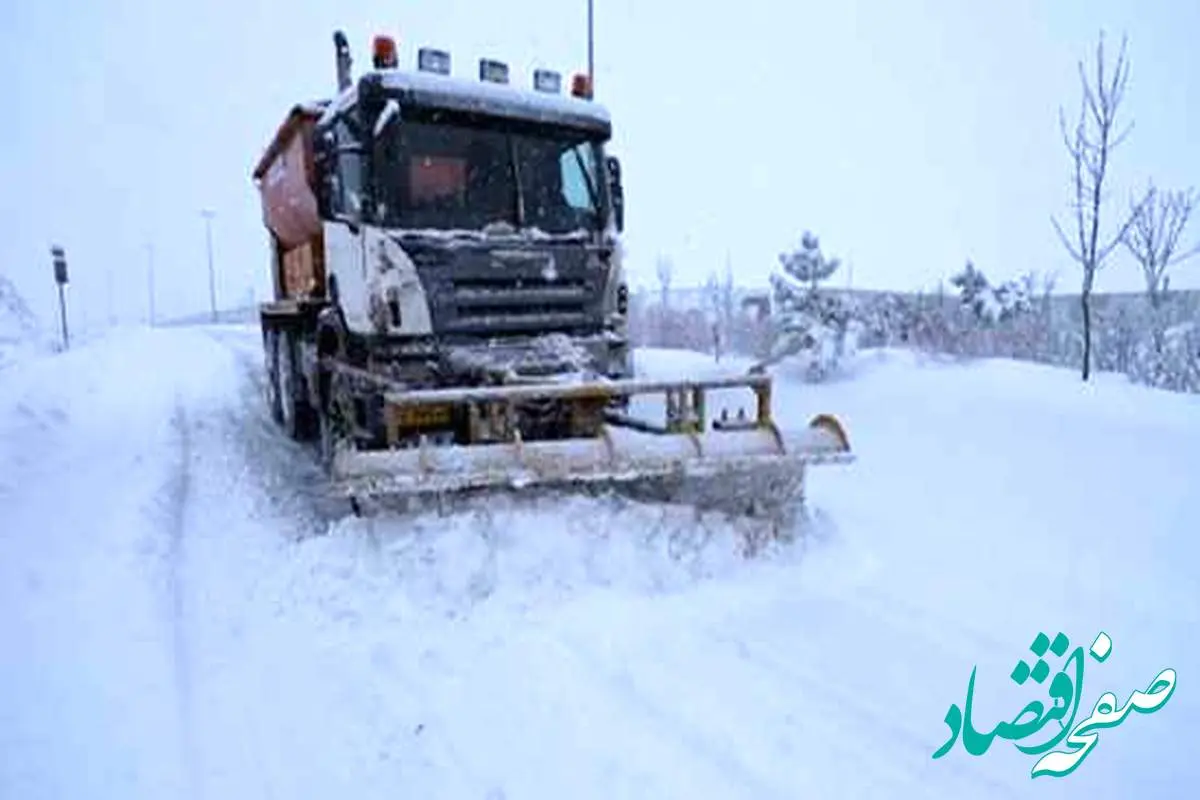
(344, 251)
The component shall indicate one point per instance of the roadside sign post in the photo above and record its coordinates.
(60, 277)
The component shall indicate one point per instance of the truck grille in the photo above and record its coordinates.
(486, 291)
(514, 305)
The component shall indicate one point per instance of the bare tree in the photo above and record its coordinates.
(713, 306)
(1090, 145)
(665, 271)
(1159, 220)
(728, 299)
(712, 295)
(1047, 282)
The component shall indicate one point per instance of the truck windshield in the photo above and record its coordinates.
(452, 176)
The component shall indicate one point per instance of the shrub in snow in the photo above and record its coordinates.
(992, 304)
(1154, 344)
(884, 320)
(816, 330)
(1167, 358)
(972, 286)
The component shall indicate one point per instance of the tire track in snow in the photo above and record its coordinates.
(231, 458)
(953, 636)
(187, 518)
(852, 714)
(414, 721)
(759, 689)
(178, 492)
(240, 451)
(675, 727)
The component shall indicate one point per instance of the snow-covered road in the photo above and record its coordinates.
(173, 628)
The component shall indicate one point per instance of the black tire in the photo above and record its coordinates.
(328, 427)
(326, 441)
(332, 428)
(274, 399)
(295, 411)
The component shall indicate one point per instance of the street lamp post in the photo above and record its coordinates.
(59, 257)
(212, 280)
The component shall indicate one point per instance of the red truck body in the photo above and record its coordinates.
(285, 179)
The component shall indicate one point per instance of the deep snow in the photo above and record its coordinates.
(173, 628)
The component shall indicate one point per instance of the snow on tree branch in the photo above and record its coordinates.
(993, 304)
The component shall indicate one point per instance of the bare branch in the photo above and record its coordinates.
(1119, 139)
(1181, 205)
(1157, 222)
(1062, 237)
(1120, 234)
(1186, 254)
(1075, 147)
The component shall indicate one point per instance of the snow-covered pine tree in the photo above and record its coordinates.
(1013, 298)
(806, 321)
(973, 289)
(808, 265)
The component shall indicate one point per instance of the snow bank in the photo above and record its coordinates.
(668, 364)
(89, 481)
(1001, 499)
(19, 332)
(175, 627)
(993, 500)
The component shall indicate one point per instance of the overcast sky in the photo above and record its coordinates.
(909, 135)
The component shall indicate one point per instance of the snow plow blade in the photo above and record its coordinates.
(747, 466)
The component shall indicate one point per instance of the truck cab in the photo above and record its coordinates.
(436, 231)
(454, 216)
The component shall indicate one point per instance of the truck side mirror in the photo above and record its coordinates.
(324, 165)
(388, 116)
(616, 191)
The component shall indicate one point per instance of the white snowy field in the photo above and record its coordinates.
(173, 628)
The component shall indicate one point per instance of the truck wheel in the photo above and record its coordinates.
(326, 440)
(330, 420)
(294, 408)
(274, 398)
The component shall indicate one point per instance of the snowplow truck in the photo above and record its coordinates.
(450, 312)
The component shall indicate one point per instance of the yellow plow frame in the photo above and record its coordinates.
(747, 465)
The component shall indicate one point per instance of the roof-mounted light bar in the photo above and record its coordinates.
(493, 71)
(547, 80)
(433, 60)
